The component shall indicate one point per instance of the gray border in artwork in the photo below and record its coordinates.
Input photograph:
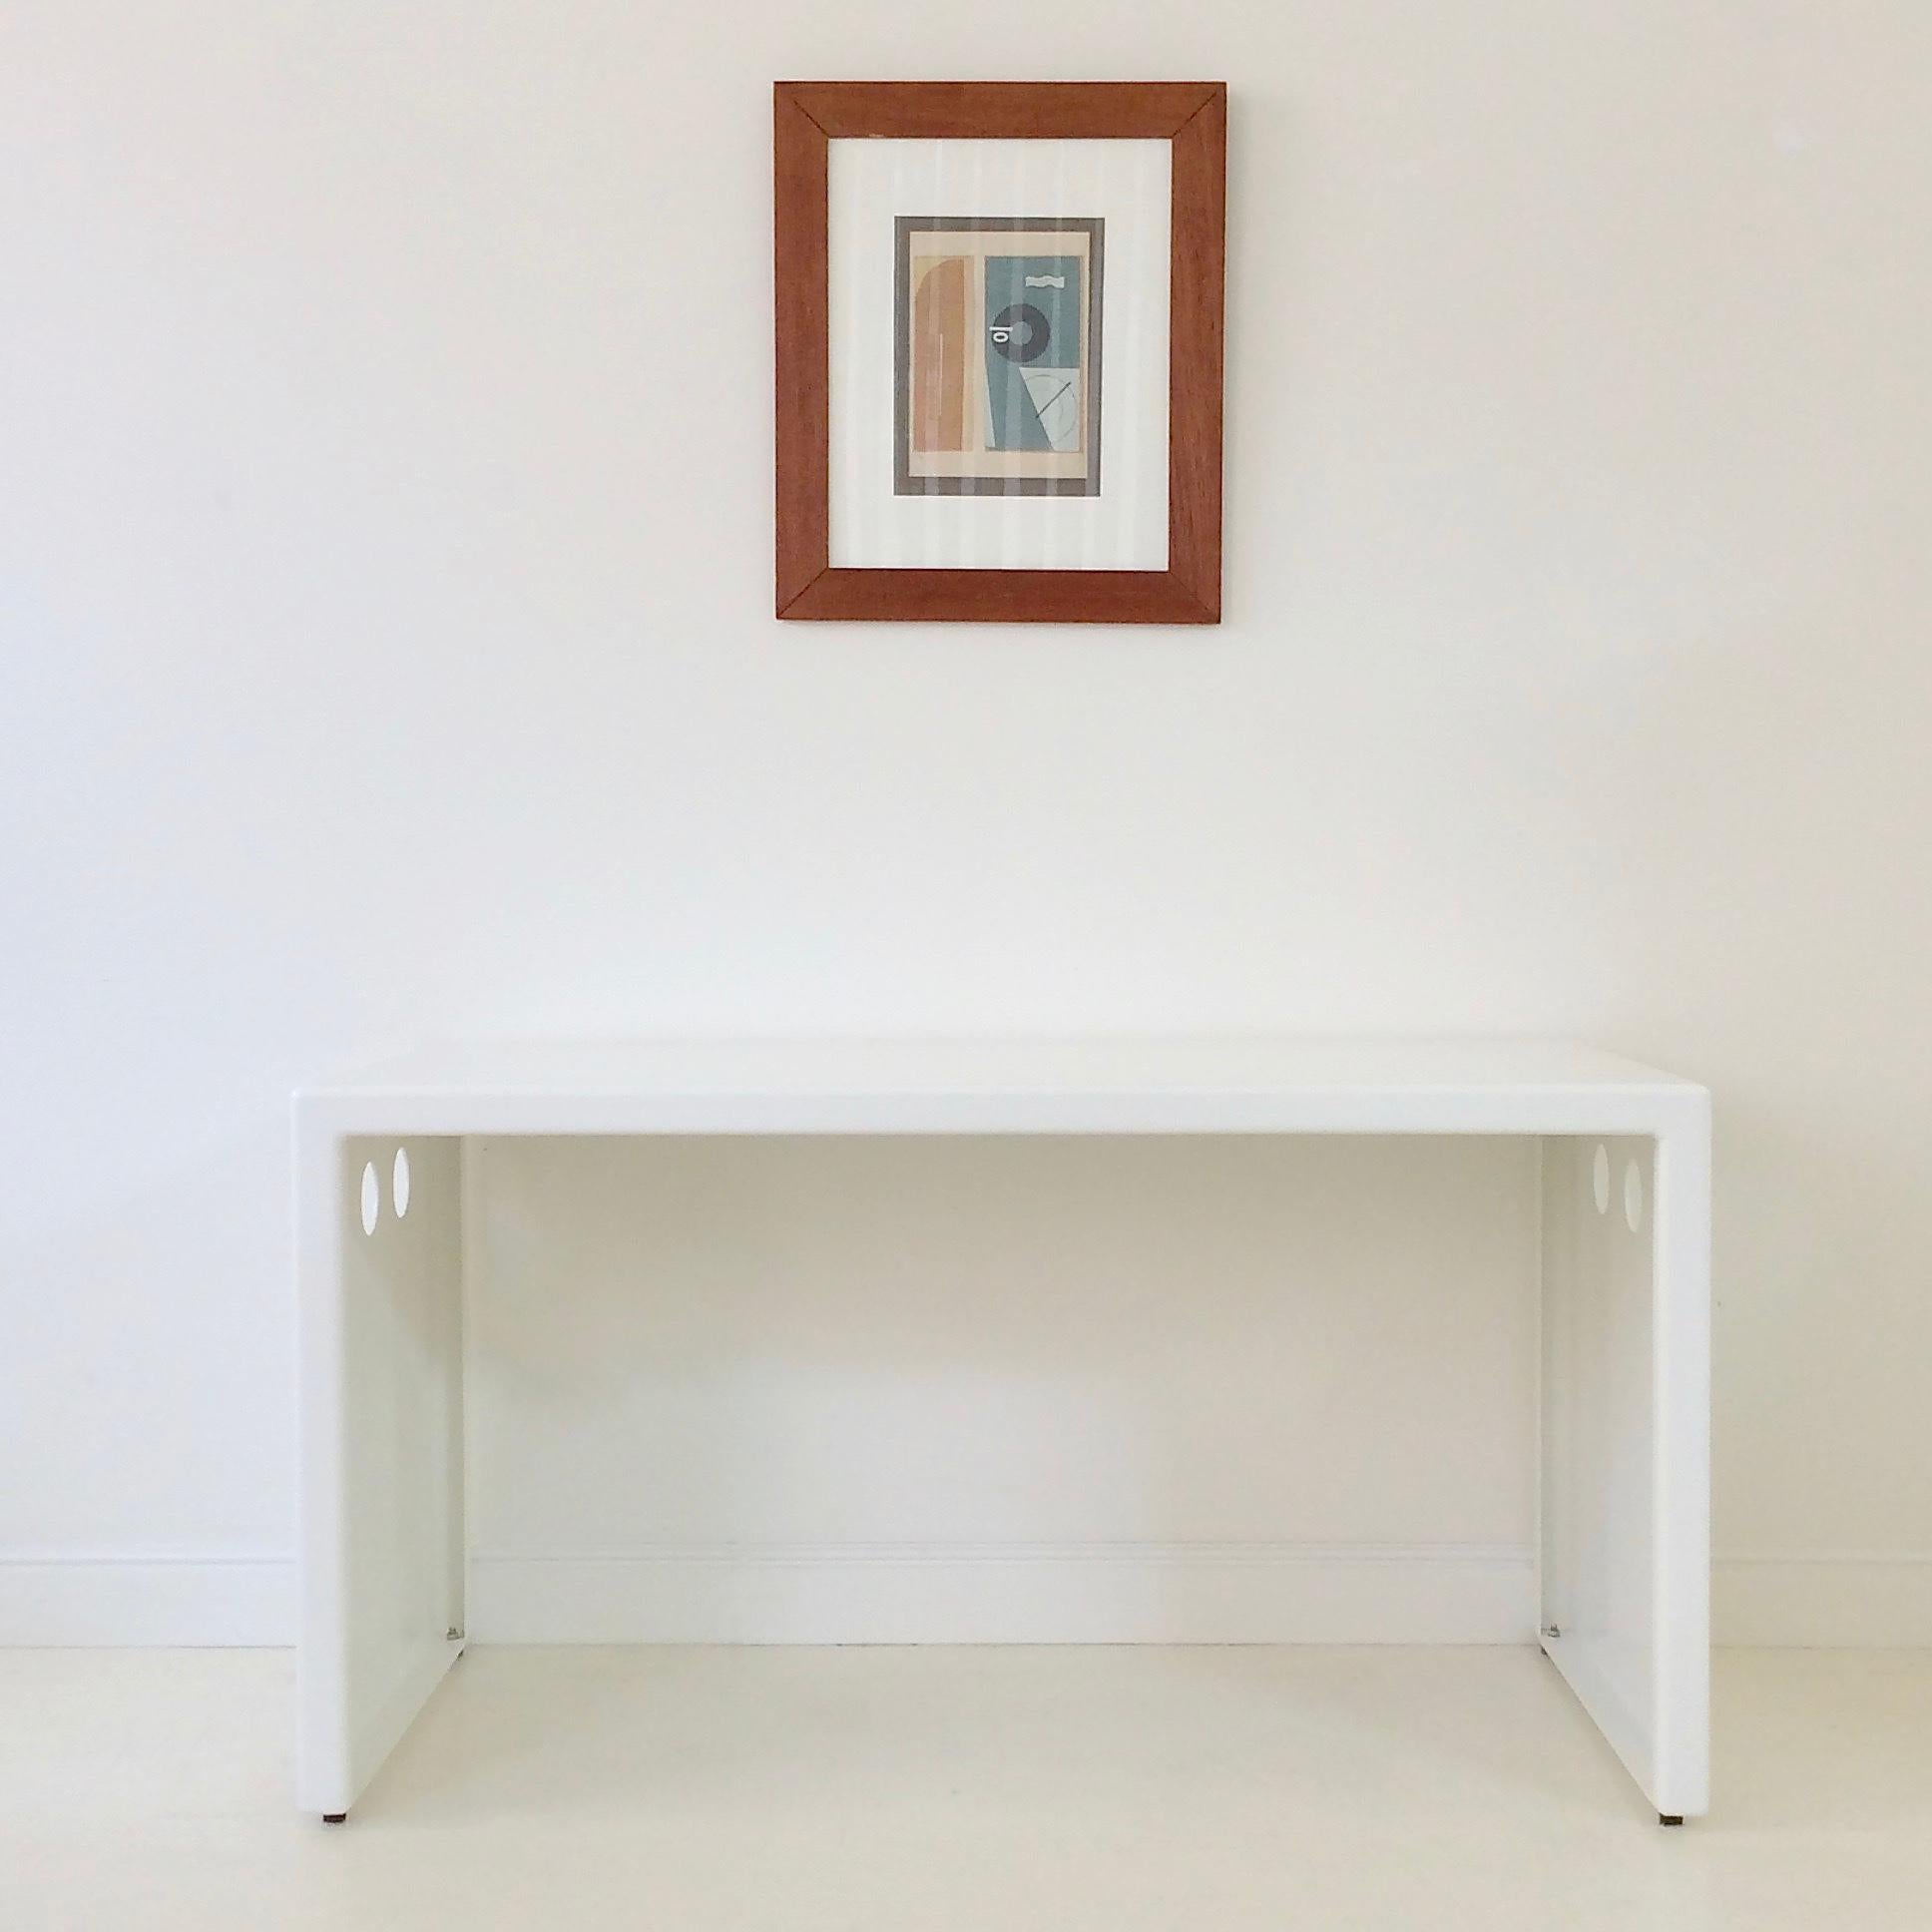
(904, 483)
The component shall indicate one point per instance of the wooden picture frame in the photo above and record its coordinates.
(1190, 115)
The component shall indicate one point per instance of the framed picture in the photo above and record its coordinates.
(999, 350)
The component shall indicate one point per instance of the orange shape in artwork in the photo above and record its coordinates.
(939, 357)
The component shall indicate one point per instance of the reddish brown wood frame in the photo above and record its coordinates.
(1193, 115)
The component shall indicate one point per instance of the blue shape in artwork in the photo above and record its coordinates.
(1032, 324)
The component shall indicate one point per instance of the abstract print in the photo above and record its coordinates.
(997, 364)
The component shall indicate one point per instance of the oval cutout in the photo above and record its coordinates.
(1599, 1179)
(399, 1183)
(371, 1197)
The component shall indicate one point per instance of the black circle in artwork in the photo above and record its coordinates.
(1007, 339)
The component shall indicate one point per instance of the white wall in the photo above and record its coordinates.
(966, 1390)
(385, 544)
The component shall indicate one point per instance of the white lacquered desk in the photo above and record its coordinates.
(1623, 1494)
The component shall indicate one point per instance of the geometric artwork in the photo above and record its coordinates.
(941, 378)
(997, 334)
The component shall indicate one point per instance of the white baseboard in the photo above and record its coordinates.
(1007, 1594)
(1105, 1592)
(1828, 1602)
(140, 1601)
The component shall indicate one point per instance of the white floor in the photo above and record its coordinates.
(1211, 1790)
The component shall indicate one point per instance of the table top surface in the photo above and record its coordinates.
(1102, 1083)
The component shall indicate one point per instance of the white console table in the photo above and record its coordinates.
(1623, 1541)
